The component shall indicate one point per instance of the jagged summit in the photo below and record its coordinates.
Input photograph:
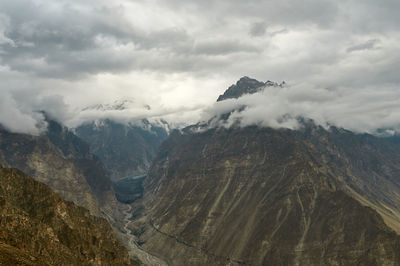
(246, 85)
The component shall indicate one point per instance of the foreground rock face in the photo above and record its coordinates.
(257, 196)
(38, 228)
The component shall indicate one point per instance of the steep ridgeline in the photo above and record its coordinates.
(62, 161)
(38, 228)
(125, 149)
(246, 85)
(262, 196)
(79, 152)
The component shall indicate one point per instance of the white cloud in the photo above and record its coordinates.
(16, 119)
(358, 110)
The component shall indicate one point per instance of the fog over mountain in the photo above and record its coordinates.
(362, 110)
(339, 59)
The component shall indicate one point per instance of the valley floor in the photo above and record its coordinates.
(133, 247)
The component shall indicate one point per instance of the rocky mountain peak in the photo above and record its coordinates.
(246, 85)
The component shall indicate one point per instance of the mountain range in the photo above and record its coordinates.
(264, 196)
(206, 194)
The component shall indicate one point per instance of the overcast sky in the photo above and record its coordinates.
(177, 56)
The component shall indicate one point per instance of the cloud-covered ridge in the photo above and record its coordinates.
(369, 109)
(365, 110)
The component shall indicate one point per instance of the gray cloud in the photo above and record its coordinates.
(368, 45)
(224, 47)
(258, 29)
(286, 12)
(177, 56)
(46, 43)
(281, 31)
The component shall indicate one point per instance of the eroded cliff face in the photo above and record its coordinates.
(37, 227)
(90, 166)
(38, 157)
(64, 162)
(258, 196)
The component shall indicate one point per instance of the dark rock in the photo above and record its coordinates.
(245, 85)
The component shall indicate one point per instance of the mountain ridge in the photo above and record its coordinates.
(263, 196)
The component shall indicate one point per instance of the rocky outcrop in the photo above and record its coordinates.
(246, 85)
(259, 196)
(37, 227)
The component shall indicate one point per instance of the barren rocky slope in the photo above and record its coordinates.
(62, 161)
(38, 228)
(258, 196)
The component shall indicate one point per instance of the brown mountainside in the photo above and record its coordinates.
(38, 228)
(259, 196)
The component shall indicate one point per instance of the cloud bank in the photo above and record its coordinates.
(178, 56)
(360, 111)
